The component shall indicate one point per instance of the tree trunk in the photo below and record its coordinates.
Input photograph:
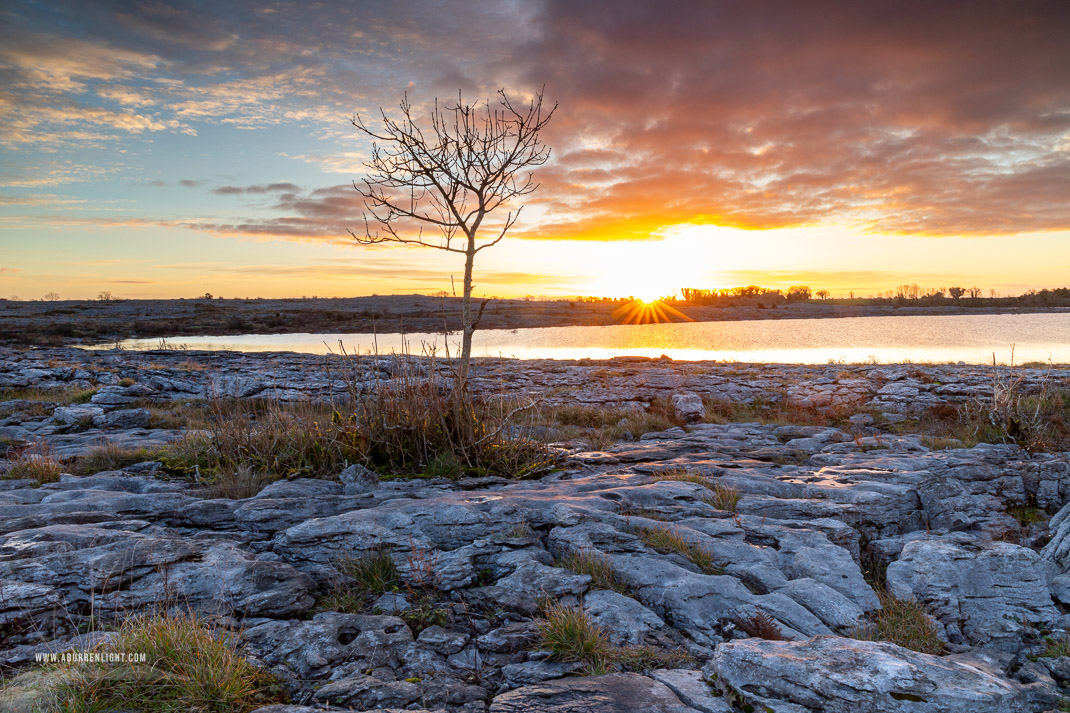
(467, 318)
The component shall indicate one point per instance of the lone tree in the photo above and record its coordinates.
(449, 176)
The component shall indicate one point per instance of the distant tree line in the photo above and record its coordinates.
(911, 294)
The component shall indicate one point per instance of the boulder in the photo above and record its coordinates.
(794, 677)
(688, 407)
(982, 592)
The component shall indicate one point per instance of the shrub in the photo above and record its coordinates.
(411, 425)
(190, 666)
(1035, 421)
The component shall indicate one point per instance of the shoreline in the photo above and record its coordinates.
(82, 323)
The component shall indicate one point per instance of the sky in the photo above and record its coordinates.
(165, 149)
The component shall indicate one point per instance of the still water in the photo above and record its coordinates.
(953, 338)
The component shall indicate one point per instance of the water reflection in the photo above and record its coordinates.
(969, 338)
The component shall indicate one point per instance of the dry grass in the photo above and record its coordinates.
(723, 497)
(602, 427)
(596, 565)
(719, 495)
(901, 622)
(109, 456)
(1037, 420)
(190, 666)
(63, 396)
(571, 636)
(1057, 646)
(667, 540)
(34, 462)
(681, 475)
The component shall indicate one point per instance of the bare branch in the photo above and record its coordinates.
(450, 175)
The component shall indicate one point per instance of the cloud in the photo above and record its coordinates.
(927, 118)
(282, 187)
(924, 118)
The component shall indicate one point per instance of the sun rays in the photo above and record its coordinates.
(652, 312)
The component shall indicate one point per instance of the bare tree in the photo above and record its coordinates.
(449, 176)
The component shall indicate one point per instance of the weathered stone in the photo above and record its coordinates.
(982, 592)
(124, 418)
(312, 649)
(612, 693)
(869, 676)
(77, 414)
(625, 620)
(357, 479)
(688, 407)
(522, 674)
(691, 689)
(368, 692)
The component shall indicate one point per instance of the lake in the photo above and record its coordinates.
(946, 338)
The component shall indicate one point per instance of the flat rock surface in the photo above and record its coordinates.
(812, 508)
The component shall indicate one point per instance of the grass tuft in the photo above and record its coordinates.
(35, 462)
(570, 635)
(901, 622)
(1057, 646)
(364, 577)
(109, 456)
(723, 497)
(597, 565)
(190, 666)
(668, 540)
